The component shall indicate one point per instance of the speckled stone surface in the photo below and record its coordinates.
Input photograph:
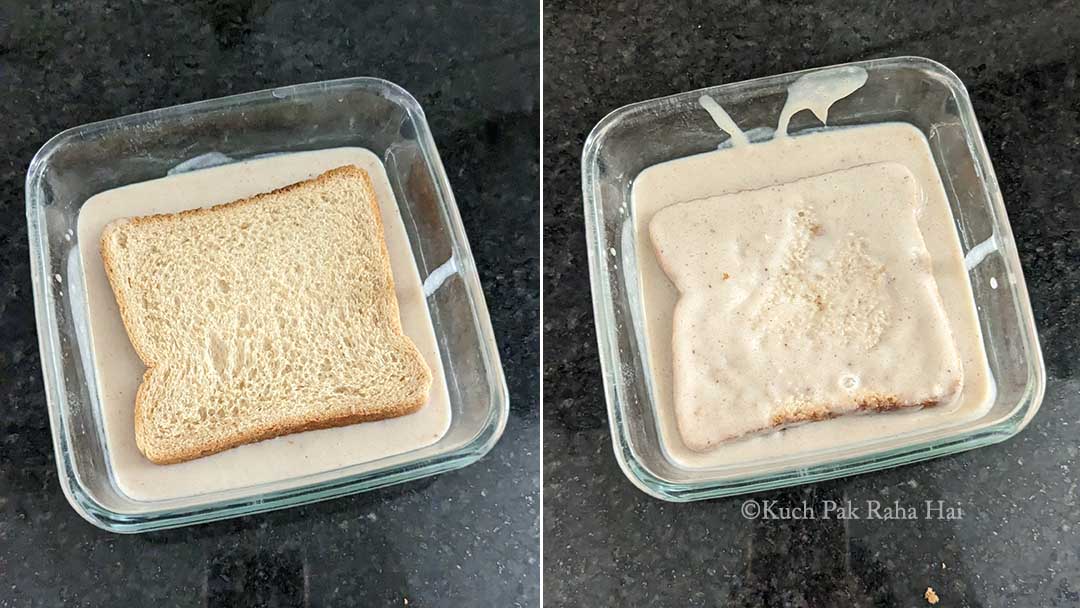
(466, 538)
(1018, 542)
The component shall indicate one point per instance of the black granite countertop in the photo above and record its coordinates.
(469, 537)
(1018, 543)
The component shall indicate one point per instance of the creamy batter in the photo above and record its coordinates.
(780, 160)
(119, 370)
(803, 301)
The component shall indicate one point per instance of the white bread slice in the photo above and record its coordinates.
(262, 317)
(802, 302)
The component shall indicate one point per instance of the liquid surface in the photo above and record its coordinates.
(803, 301)
(119, 370)
(784, 160)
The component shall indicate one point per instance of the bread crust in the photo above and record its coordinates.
(271, 432)
(783, 420)
(274, 430)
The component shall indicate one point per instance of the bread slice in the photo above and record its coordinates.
(801, 302)
(262, 317)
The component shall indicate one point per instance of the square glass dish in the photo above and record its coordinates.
(911, 90)
(356, 112)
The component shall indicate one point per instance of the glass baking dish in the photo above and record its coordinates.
(354, 112)
(910, 90)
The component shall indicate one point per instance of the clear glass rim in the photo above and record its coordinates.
(611, 360)
(52, 365)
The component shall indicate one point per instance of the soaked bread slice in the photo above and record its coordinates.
(262, 317)
(802, 302)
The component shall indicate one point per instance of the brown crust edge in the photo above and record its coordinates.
(275, 430)
(778, 422)
(876, 404)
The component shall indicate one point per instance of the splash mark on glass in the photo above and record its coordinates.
(439, 276)
(817, 92)
(202, 161)
(722, 120)
(979, 252)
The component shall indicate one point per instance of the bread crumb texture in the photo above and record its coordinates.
(262, 317)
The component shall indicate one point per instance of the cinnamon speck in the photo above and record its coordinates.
(726, 276)
(930, 596)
